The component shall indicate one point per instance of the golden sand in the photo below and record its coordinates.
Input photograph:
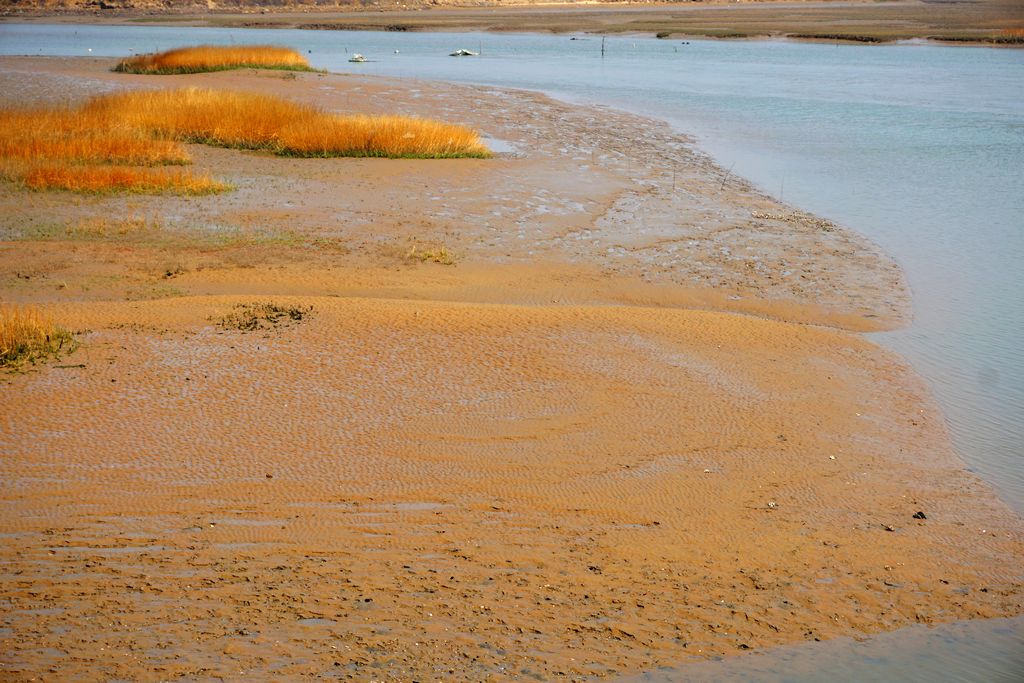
(544, 460)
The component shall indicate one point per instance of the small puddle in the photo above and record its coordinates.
(498, 146)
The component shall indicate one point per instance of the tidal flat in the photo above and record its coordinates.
(553, 414)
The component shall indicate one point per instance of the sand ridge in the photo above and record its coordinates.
(540, 461)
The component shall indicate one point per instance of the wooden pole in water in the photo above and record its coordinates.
(602, 47)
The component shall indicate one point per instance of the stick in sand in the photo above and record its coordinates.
(720, 187)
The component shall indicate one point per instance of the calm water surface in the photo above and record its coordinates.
(919, 147)
(966, 652)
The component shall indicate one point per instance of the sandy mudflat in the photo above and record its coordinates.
(632, 424)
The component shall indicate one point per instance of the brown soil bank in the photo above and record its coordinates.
(983, 21)
(541, 461)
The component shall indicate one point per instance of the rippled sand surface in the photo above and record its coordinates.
(561, 463)
(413, 488)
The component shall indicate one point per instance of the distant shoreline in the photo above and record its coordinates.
(992, 24)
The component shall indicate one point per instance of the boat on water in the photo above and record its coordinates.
(463, 53)
(357, 58)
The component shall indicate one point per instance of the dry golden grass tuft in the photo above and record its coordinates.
(111, 143)
(69, 137)
(432, 254)
(70, 149)
(28, 336)
(188, 60)
(214, 117)
(414, 251)
(93, 179)
(387, 136)
(253, 121)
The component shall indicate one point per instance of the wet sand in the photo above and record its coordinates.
(634, 423)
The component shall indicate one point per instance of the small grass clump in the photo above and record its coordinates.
(431, 254)
(114, 227)
(414, 251)
(29, 336)
(260, 316)
(190, 60)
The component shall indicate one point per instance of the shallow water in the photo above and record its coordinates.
(990, 650)
(917, 146)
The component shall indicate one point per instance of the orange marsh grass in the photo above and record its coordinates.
(70, 149)
(72, 137)
(389, 136)
(95, 179)
(28, 335)
(214, 58)
(253, 121)
(109, 143)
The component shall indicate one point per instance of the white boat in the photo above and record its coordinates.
(357, 58)
(463, 53)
